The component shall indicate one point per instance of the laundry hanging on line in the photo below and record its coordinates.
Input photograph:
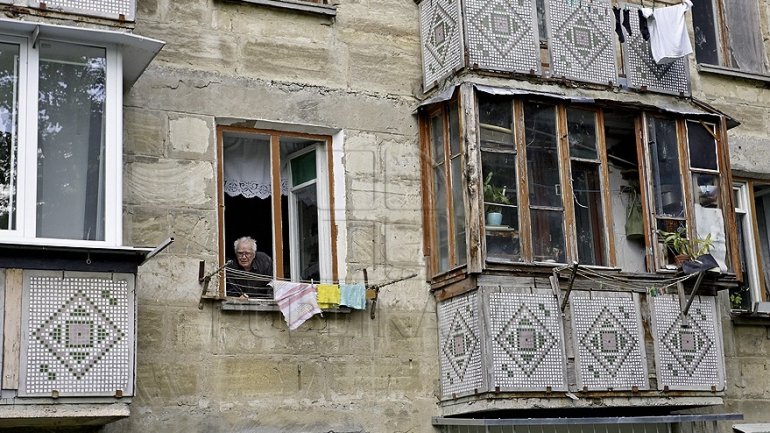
(669, 39)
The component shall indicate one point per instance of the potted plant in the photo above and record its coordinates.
(685, 248)
(494, 197)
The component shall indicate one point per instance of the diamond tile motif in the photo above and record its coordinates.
(527, 344)
(502, 35)
(582, 36)
(103, 8)
(460, 345)
(78, 334)
(644, 73)
(608, 335)
(441, 39)
(688, 350)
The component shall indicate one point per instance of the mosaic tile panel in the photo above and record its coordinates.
(526, 340)
(502, 35)
(609, 339)
(581, 42)
(77, 335)
(688, 352)
(102, 8)
(643, 72)
(441, 39)
(460, 345)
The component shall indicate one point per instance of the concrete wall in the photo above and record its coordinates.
(212, 371)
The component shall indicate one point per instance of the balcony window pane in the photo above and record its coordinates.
(589, 216)
(70, 172)
(9, 82)
(542, 155)
(667, 181)
(548, 236)
(703, 147)
(502, 236)
(581, 127)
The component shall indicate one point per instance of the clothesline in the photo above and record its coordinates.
(246, 275)
(624, 282)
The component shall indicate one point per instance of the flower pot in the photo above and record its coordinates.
(680, 259)
(494, 218)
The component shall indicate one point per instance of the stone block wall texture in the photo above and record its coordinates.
(360, 73)
(747, 347)
(213, 371)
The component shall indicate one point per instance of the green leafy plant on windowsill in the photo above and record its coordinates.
(685, 248)
(494, 196)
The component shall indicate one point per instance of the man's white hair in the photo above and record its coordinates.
(243, 239)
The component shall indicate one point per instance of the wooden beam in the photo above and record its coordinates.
(275, 163)
(604, 180)
(525, 221)
(474, 214)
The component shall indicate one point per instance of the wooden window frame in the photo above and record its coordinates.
(723, 50)
(565, 176)
(655, 262)
(325, 186)
(431, 239)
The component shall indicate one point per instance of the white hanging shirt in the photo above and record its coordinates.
(668, 32)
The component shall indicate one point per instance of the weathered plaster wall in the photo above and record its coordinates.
(211, 371)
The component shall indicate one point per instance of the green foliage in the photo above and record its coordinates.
(493, 195)
(679, 244)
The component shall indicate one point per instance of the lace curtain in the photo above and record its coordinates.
(247, 169)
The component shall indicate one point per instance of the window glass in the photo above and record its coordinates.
(9, 82)
(581, 127)
(456, 167)
(70, 157)
(746, 46)
(589, 216)
(545, 189)
(498, 162)
(667, 180)
(762, 206)
(704, 20)
(542, 155)
(703, 146)
(441, 217)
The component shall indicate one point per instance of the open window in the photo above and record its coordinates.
(752, 214)
(275, 188)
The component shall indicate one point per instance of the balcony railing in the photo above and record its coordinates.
(568, 40)
(120, 10)
(503, 341)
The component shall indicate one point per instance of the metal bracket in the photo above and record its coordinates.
(205, 279)
(569, 287)
(694, 292)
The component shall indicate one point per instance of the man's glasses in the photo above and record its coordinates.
(244, 254)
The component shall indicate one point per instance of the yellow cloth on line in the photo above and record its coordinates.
(328, 296)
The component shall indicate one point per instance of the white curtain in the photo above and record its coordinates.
(247, 168)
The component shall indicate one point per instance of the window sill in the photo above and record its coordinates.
(297, 5)
(730, 72)
(236, 304)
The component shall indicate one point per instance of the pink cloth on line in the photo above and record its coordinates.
(297, 301)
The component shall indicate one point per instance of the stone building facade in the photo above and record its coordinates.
(367, 87)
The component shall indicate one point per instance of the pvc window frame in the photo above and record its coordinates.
(27, 142)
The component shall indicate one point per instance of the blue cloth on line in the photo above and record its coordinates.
(353, 296)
